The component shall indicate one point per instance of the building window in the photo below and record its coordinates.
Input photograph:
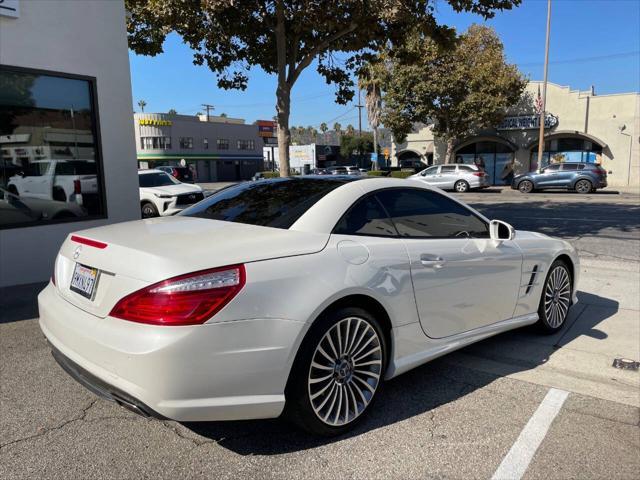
(155, 143)
(246, 145)
(205, 143)
(48, 126)
(223, 144)
(186, 142)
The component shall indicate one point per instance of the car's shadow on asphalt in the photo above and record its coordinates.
(423, 389)
(20, 302)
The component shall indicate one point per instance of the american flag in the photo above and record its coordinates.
(538, 102)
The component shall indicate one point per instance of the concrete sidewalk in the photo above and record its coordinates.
(604, 325)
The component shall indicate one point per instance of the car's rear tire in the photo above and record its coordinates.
(148, 210)
(525, 186)
(337, 373)
(461, 186)
(583, 186)
(555, 299)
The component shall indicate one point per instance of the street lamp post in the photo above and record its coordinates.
(544, 88)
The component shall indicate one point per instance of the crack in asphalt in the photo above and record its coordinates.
(45, 431)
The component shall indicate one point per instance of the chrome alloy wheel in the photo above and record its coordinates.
(557, 296)
(345, 371)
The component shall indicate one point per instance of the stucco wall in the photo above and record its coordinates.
(85, 38)
(578, 112)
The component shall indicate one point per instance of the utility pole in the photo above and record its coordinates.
(207, 107)
(544, 89)
(360, 107)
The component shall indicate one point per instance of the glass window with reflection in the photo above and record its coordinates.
(49, 160)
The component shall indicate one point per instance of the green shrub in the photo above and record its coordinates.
(377, 173)
(401, 173)
(270, 174)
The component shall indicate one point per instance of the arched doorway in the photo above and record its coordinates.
(495, 156)
(567, 147)
(410, 159)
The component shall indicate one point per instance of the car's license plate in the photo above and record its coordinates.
(84, 280)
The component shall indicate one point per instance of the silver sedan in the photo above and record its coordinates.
(460, 178)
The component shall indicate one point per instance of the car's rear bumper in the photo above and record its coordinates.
(216, 371)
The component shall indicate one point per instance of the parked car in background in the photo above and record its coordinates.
(162, 194)
(16, 210)
(579, 176)
(181, 173)
(61, 180)
(412, 164)
(337, 171)
(458, 177)
(181, 317)
(351, 170)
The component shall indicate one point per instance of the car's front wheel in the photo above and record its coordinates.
(337, 372)
(148, 210)
(525, 186)
(556, 298)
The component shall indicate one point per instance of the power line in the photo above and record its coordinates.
(584, 59)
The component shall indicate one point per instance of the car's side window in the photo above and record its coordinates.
(430, 171)
(366, 217)
(448, 169)
(570, 166)
(418, 213)
(465, 168)
(552, 168)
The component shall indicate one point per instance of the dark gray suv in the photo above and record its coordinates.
(578, 176)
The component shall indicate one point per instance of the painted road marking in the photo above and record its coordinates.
(517, 460)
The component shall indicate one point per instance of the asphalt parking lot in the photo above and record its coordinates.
(457, 417)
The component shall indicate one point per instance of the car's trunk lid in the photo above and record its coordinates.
(143, 252)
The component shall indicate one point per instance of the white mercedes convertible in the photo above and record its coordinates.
(293, 296)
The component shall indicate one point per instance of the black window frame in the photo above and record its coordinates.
(95, 131)
(375, 192)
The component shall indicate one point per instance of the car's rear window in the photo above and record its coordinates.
(274, 203)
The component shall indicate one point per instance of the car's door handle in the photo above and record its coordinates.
(432, 261)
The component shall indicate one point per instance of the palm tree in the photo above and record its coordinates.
(338, 129)
(370, 80)
(323, 128)
(142, 104)
(350, 130)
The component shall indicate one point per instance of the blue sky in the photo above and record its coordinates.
(593, 42)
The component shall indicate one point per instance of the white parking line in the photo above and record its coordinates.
(517, 460)
(593, 220)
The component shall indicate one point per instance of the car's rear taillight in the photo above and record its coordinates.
(185, 300)
(77, 187)
(479, 174)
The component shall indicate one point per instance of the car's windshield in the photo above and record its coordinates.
(156, 179)
(274, 203)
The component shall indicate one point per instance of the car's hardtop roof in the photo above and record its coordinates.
(149, 170)
(306, 178)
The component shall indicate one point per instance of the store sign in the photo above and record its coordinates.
(527, 122)
(10, 8)
(155, 123)
(266, 128)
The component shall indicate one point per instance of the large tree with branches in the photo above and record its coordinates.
(284, 37)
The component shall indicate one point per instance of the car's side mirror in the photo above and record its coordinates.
(499, 230)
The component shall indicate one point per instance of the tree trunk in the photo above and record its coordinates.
(449, 154)
(283, 92)
(283, 105)
(375, 146)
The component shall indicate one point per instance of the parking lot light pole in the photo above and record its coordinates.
(544, 89)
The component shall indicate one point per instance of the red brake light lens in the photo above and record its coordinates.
(88, 241)
(77, 186)
(188, 299)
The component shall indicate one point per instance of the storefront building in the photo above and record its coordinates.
(217, 148)
(66, 136)
(579, 126)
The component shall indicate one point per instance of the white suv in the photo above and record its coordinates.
(162, 194)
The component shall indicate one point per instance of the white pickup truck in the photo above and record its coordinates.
(62, 180)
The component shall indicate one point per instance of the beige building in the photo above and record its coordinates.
(580, 126)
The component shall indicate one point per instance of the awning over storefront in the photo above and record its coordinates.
(486, 138)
